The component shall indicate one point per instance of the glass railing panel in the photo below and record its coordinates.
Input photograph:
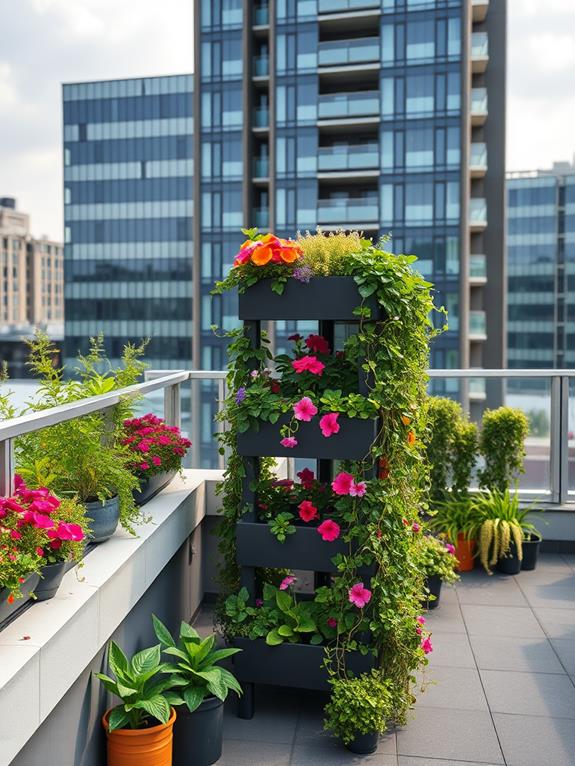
(479, 100)
(339, 6)
(479, 45)
(261, 16)
(477, 323)
(261, 167)
(339, 52)
(478, 155)
(347, 210)
(349, 104)
(477, 210)
(477, 265)
(261, 66)
(348, 157)
(262, 217)
(261, 117)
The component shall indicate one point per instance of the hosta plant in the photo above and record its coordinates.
(501, 522)
(195, 669)
(140, 685)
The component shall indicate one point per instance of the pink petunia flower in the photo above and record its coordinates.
(144, 466)
(318, 344)
(157, 461)
(329, 424)
(41, 521)
(305, 409)
(358, 489)
(359, 595)
(342, 483)
(307, 510)
(15, 535)
(306, 477)
(143, 446)
(329, 530)
(426, 645)
(415, 526)
(332, 622)
(421, 620)
(308, 364)
(289, 442)
(450, 548)
(40, 551)
(287, 581)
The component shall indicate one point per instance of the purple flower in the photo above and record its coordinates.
(254, 374)
(303, 273)
(240, 394)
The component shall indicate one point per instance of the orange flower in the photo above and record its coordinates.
(411, 437)
(262, 255)
(405, 420)
(290, 251)
(11, 598)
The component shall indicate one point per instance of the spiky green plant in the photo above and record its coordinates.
(453, 517)
(501, 522)
(326, 254)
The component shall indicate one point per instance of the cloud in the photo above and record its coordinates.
(47, 42)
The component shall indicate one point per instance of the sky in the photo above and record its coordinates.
(46, 42)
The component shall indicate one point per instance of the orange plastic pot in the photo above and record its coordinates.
(464, 550)
(140, 747)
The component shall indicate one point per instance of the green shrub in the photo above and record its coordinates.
(502, 445)
(360, 705)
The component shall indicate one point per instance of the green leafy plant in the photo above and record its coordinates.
(281, 526)
(196, 671)
(502, 445)
(502, 522)
(455, 516)
(465, 453)
(361, 705)
(138, 683)
(437, 558)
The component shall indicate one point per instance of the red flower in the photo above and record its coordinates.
(307, 478)
(329, 424)
(307, 511)
(308, 364)
(329, 530)
(317, 344)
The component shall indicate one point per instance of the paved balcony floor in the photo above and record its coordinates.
(500, 686)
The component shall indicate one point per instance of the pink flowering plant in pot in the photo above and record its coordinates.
(370, 509)
(155, 446)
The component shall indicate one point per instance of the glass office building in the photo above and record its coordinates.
(380, 115)
(128, 193)
(541, 268)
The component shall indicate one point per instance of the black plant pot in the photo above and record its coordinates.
(26, 588)
(150, 487)
(352, 442)
(364, 744)
(510, 564)
(433, 585)
(322, 298)
(52, 575)
(104, 518)
(531, 552)
(198, 735)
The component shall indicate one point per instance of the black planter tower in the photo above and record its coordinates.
(326, 300)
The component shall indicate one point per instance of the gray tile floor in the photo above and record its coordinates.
(500, 687)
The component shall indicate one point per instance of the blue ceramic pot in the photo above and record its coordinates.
(104, 518)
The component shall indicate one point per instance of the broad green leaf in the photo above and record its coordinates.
(156, 706)
(220, 654)
(177, 653)
(174, 699)
(193, 697)
(231, 681)
(125, 691)
(305, 624)
(273, 638)
(108, 683)
(285, 630)
(117, 660)
(284, 601)
(186, 631)
(316, 639)
(146, 661)
(204, 649)
(118, 718)
(162, 633)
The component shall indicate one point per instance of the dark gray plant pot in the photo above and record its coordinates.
(510, 564)
(364, 744)
(296, 665)
(322, 298)
(52, 575)
(433, 585)
(198, 735)
(104, 518)
(150, 487)
(531, 552)
(352, 442)
(27, 588)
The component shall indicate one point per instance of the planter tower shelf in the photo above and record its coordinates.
(326, 300)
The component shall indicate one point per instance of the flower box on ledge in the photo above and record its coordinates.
(296, 665)
(322, 298)
(151, 486)
(352, 442)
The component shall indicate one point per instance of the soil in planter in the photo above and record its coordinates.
(198, 735)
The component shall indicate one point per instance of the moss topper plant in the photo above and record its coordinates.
(376, 518)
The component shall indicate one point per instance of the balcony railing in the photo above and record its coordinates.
(348, 210)
(261, 117)
(262, 217)
(341, 105)
(477, 324)
(478, 105)
(348, 157)
(477, 266)
(342, 52)
(477, 213)
(261, 15)
(340, 6)
(261, 167)
(478, 159)
(479, 51)
(261, 66)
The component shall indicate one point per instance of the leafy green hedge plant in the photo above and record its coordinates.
(502, 445)
(362, 705)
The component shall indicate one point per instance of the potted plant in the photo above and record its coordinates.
(202, 688)
(157, 451)
(503, 528)
(359, 710)
(531, 547)
(502, 445)
(19, 572)
(83, 457)
(457, 519)
(140, 729)
(438, 560)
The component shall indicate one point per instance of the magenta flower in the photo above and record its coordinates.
(69, 532)
(305, 409)
(358, 489)
(342, 483)
(287, 581)
(144, 466)
(289, 442)
(329, 424)
(420, 620)
(259, 602)
(157, 461)
(42, 521)
(329, 530)
(308, 364)
(306, 477)
(359, 595)
(332, 622)
(307, 511)
(450, 548)
(426, 645)
(415, 526)
(15, 535)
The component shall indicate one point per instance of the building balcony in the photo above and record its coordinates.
(478, 106)
(478, 160)
(349, 52)
(477, 269)
(477, 213)
(479, 52)
(261, 167)
(345, 157)
(261, 217)
(261, 16)
(477, 326)
(479, 10)
(342, 6)
(261, 66)
(477, 389)
(348, 210)
(349, 105)
(261, 117)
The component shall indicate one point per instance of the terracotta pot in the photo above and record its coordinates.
(140, 747)
(464, 550)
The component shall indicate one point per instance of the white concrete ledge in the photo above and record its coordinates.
(45, 650)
